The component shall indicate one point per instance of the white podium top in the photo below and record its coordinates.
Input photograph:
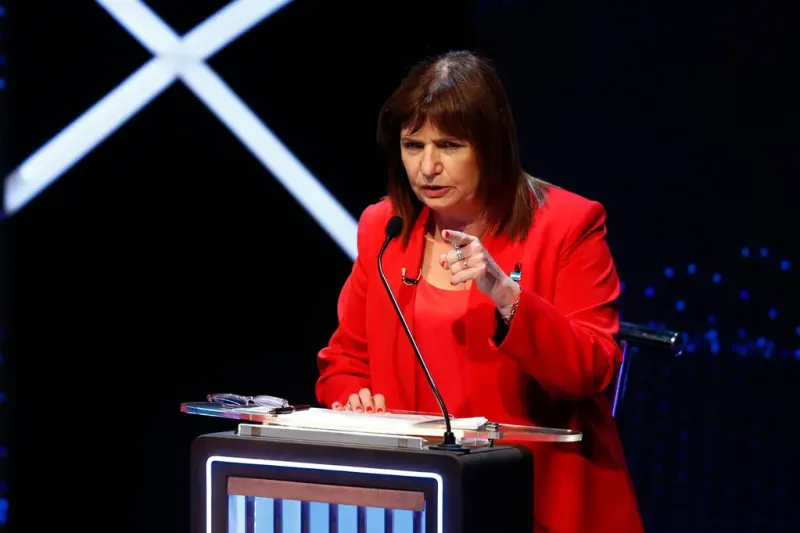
(475, 431)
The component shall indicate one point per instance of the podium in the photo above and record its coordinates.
(278, 474)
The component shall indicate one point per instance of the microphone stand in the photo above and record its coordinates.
(449, 439)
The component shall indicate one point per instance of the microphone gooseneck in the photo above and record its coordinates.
(393, 229)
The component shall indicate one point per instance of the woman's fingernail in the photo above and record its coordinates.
(368, 408)
(446, 234)
(379, 410)
(359, 409)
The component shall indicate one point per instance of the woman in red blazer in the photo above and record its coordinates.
(540, 351)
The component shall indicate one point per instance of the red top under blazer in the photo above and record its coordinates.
(552, 368)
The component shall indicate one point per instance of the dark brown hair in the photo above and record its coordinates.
(461, 94)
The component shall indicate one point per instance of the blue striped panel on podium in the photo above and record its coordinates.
(248, 514)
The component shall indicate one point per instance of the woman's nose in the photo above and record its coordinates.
(431, 165)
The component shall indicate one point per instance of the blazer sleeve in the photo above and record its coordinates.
(344, 364)
(568, 345)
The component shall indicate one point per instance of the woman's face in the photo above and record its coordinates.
(443, 171)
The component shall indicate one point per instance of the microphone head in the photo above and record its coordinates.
(394, 227)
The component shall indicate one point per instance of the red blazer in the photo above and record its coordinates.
(551, 369)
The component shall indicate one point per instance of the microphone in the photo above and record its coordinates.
(393, 229)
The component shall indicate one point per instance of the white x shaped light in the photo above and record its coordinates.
(182, 58)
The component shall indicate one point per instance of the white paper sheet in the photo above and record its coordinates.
(376, 423)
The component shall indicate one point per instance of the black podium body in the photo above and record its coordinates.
(488, 490)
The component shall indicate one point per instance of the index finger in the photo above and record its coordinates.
(458, 238)
(366, 400)
(354, 404)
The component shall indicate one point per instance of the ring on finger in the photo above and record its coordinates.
(459, 254)
(466, 265)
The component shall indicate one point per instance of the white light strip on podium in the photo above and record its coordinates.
(183, 58)
(331, 468)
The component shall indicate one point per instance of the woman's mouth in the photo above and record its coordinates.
(434, 191)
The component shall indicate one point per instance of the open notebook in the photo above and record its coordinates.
(389, 423)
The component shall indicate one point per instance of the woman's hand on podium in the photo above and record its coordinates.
(363, 402)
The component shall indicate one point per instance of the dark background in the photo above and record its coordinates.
(3, 297)
(169, 263)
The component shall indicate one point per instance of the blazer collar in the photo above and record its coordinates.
(412, 260)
